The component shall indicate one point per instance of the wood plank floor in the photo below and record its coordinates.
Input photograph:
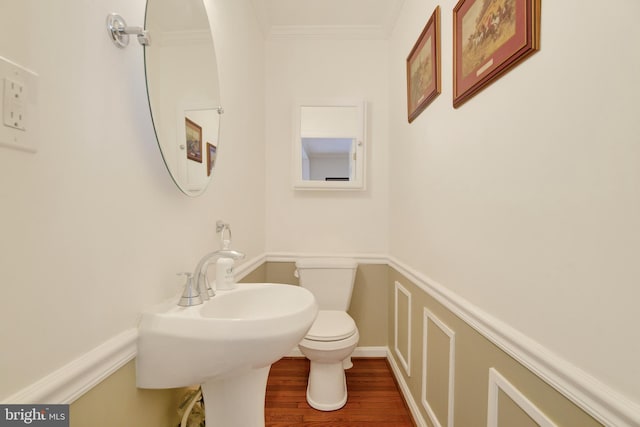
(374, 399)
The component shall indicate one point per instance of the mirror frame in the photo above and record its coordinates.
(359, 180)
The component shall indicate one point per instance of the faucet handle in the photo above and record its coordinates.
(190, 295)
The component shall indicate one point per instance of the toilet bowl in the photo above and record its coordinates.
(328, 345)
(333, 335)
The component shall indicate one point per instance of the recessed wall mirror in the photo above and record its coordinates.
(183, 91)
(329, 145)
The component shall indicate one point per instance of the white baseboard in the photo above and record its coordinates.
(373, 351)
(370, 351)
(404, 388)
(603, 403)
(77, 377)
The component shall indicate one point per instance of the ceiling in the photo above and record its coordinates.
(370, 19)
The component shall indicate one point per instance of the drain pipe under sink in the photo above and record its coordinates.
(187, 411)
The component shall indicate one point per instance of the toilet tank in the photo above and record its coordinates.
(330, 280)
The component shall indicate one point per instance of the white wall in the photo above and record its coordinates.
(92, 227)
(321, 221)
(526, 199)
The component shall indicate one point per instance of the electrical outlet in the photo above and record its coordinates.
(13, 105)
(18, 107)
(14, 90)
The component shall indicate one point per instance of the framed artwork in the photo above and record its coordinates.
(211, 157)
(489, 38)
(194, 140)
(423, 68)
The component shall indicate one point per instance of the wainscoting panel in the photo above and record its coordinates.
(474, 350)
(402, 325)
(502, 393)
(438, 370)
(451, 363)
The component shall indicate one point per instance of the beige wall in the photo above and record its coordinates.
(368, 302)
(259, 275)
(117, 402)
(474, 356)
(281, 272)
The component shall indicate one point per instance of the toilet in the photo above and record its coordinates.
(333, 336)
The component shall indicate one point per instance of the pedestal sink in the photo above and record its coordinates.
(226, 345)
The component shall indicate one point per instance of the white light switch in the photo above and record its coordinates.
(17, 105)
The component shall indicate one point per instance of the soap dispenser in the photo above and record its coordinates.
(224, 266)
(224, 274)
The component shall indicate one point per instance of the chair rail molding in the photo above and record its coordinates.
(74, 379)
(606, 405)
(594, 397)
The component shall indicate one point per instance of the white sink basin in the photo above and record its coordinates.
(236, 331)
(226, 345)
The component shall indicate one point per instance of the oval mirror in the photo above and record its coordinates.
(183, 91)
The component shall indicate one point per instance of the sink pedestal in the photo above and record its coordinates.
(226, 344)
(236, 400)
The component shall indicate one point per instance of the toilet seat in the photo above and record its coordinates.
(331, 325)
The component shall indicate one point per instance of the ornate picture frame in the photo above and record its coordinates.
(211, 157)
(490, 37)
(194, 140)
(423, 68)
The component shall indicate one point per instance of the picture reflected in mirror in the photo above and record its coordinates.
(199, 158)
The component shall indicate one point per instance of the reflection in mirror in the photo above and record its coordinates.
(327, 159)
(183, 91)
(329, 145)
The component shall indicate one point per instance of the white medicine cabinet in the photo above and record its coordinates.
(329, 145)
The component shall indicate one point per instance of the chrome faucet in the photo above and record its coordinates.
(197, 289)
(201, 283)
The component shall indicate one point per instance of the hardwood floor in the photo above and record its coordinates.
(374, 399)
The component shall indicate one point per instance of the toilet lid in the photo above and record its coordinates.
(331, 325)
